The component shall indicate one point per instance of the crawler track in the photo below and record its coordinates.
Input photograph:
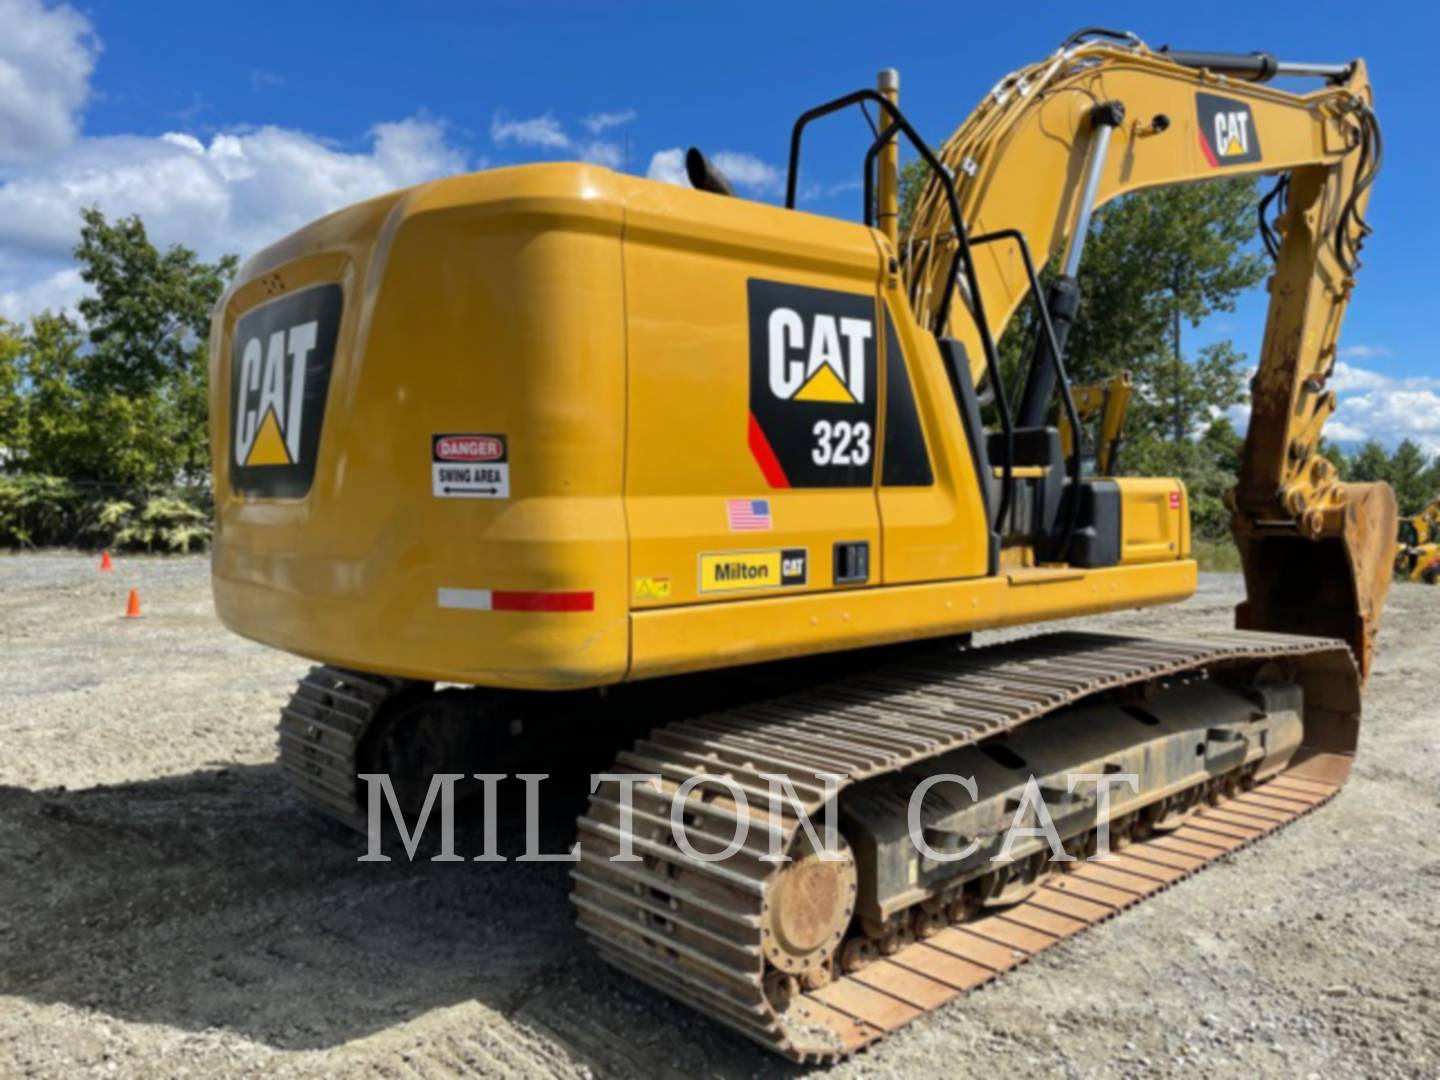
(696, 929)
(320, 731)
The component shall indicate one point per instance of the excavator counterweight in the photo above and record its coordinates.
(552, 444)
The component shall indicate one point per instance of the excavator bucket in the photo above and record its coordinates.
(1333, 585)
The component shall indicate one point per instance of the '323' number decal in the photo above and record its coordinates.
(841, 442)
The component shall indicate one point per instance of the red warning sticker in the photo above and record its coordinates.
(469, 467)
(469, 448)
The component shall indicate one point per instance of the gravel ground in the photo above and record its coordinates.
(167, 907)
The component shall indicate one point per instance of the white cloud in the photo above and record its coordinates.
(547, 134)
(604, 153)
(1340, 431)
(1365, 352)
(668, 166)
(239, 192)
(260, 79)
(236, 193)
(1390, 415)
(745, 171)
(198, 105)
(58, 291)
(544, 132)
(1349, 379)
(748, 171)
(596, 123)
(1376, 406)
(46, 56)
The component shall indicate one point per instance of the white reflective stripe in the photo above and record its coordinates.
(471, 599)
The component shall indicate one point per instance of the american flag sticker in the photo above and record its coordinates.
(748, 515)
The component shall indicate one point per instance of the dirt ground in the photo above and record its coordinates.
(167, 907)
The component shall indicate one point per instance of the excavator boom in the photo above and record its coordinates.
(1101, 118)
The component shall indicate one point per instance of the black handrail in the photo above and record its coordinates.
(897, 120)
(962, 251)
(1073, 414)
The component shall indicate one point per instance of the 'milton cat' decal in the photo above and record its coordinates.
(812, 385)
(1227, 131)
(280, 359)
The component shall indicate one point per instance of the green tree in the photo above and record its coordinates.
(1370, 463)
(1431, 480)
(1337, 457)
(1214, 381)
(148, 322)
(1223, 444)
(1407, 477)
(12, 400)
(57, 424)
(103, 418)
(1155, 261)
(913, 175)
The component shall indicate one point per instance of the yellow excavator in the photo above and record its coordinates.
(1417, 556)
(1100, 410)
(555, 441)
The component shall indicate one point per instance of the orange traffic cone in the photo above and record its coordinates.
(105, 563)
(132, 609)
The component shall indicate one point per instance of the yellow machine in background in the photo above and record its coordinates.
(1103, 405)
(1418, 551)
(552, 433)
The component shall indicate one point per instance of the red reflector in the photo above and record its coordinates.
(542, 601)
(1174, 500)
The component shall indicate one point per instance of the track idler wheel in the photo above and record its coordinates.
(807, 909)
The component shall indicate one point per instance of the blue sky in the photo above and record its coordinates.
(225, 131)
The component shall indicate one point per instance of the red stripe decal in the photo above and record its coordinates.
(765, 457)
(542, 601)
(1205, 149)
